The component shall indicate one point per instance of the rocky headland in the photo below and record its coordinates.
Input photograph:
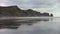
(15, 11)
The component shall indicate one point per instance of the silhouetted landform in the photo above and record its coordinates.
(15, 11)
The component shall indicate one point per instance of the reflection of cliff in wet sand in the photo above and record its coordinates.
(15, 23)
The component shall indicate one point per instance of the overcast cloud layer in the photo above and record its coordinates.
(51, 6)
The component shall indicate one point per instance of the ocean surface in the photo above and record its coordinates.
(41, 26)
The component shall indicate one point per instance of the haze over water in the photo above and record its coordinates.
(42, 26)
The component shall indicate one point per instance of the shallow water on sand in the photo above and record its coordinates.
(42, 26)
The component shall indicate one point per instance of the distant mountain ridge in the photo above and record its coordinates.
(15, 11)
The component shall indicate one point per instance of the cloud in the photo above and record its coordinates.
(29, 3)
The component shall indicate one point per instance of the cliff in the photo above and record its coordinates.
(15, 11)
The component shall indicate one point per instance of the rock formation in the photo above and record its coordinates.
(15, 11)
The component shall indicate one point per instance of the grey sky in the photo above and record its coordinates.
(51, 6)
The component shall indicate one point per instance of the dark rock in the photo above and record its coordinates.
(51, 15)
(45, 14)
(15, 11)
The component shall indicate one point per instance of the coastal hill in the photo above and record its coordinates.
(15, 11)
